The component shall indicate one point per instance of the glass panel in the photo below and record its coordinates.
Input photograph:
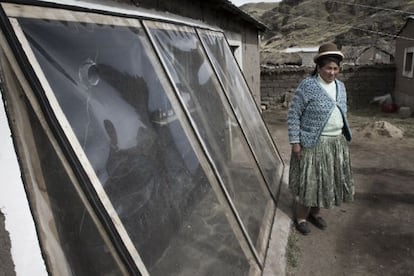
(199, 89)
(113, 94)
(244, 107)
(80, 243)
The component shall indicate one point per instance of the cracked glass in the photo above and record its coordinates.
(115, 98)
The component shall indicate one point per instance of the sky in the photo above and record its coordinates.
(241, 2)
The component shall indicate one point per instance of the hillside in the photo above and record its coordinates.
(308, 23)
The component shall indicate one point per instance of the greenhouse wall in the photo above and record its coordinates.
(140, 146)
(231, 20)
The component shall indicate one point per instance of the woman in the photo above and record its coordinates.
(320, 169)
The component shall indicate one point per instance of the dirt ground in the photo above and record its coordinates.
(374, 235)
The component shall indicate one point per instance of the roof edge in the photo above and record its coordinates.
(227, 5)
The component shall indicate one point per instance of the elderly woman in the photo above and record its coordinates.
(320, 168)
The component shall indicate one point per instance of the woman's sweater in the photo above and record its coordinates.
(310, 110)
(335, 122)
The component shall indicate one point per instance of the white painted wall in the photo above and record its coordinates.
(19, 223)
(235, 40)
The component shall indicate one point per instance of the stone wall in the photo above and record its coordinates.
(363, 83)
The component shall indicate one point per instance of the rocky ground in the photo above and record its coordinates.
(374, 235)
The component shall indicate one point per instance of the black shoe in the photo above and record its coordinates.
(318, 221)
(302, 227)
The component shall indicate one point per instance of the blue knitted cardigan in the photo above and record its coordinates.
(310, 110)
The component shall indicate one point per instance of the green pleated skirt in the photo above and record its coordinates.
(323, 176)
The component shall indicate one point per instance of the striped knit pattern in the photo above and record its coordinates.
(323, 176)
(311, 108)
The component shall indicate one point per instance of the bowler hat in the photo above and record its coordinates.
(328, 49)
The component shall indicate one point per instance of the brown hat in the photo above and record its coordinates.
(329, 49)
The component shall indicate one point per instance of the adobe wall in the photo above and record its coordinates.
(363, 83)
(404, 85)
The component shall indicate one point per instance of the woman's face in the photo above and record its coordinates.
(329, 71)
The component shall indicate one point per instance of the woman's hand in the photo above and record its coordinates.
(297, 150)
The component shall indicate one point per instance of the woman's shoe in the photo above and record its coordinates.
(318, 221)
(302, 227)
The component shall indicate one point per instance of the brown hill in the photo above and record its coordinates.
(308, 23)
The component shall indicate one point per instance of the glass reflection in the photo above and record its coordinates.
(114, 98)
(191, 72)
(80, 242)
(238, 92)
